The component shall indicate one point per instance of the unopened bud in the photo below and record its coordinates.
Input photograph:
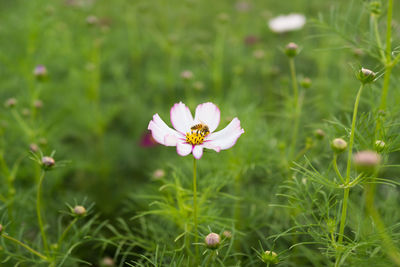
(158, 174)
(92, 20)
(79, 210)
(375, 8)
(34, 147)
(366, 76)
(187, 75)
(48, 162)
(40, 72)
(366, 161)
(306, 82)
(291, 49)
(259, 54)
(1, 228)
(379, 145)
(107, 262)
(223, 18)
(319, 134)
(270, 257)
(227, 234)
(10, 103)
(198, 85)
(212, 240)
(338, 145)
(38, 104)
(26, 112)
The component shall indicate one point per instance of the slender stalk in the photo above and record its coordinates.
(377, 36)
(25, 246)
(390, 248)
(389, 31)
(347, 179)
(296, 104)
(39, 215)
(335, 166)
(195, 208)
(65, 232)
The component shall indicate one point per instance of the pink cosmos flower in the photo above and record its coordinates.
(192, 135)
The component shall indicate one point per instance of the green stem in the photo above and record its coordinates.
(353, 129)
(25, 246)
(390, 248)
(195, 208)
(389, 32)
(65, 232)
(335, 166)
(378, 38)
(347, 179)
(39, 215)
(297, 108)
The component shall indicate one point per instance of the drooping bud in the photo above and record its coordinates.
(306, 82)
(319, 134)
(379, 145)
(10, 103)
(338, 145)
(270, 257)
(212, 241)
(366, 161)
(291, 49)
(40, 72)
(366, 76)
(79, 210)
(48, 162)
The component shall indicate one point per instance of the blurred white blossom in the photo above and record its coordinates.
(287, 23)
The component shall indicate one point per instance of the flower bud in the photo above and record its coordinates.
(10, 103)
(375, 8)
(25, 112)
(291, 49)
(227, 234)
(38, 104)
(319, 134)
(40, 72)
(212, 240)
(92, 20)
(79, 210)
(48, 162)
(186, 75)
(34, 147)
(338, 145)
(107, 262)
(1, 228)
(366, 161)
(305, 82)
(379, 145)
(198, 85)
(158, 174)
(270, 257)
(366, 76)
(259, 54)
(223, 18)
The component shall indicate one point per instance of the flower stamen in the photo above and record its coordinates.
(197, 134)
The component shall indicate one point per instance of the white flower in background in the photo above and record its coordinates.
(287, 23)
(193, 135)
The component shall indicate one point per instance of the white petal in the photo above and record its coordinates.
(181, 118)
(225, 138)
(209, 114)
(183, 149)
(159, 130)
(286, 23)
(198, 151)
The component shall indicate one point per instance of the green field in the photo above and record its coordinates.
(307, 173)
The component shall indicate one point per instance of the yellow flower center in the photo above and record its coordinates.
(197, 134)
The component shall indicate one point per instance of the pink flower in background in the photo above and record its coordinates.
(192, 135)
(147, 140)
